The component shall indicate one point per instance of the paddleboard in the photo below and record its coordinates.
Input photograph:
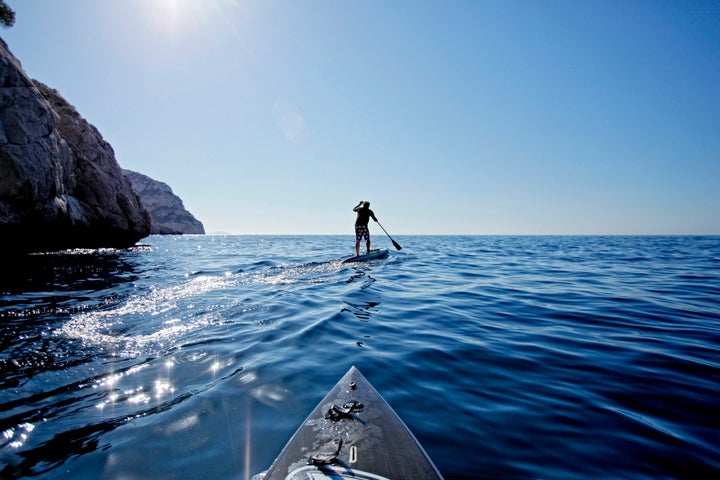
(352, 434)
(371, 255)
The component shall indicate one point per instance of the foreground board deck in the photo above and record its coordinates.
(371, 255)
(376, 444)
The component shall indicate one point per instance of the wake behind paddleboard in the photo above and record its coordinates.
(371, 255)
(352, 434)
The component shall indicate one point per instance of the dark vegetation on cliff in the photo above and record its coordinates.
(7, 15)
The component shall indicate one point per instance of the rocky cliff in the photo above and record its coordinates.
(167, 212)
(60, 185)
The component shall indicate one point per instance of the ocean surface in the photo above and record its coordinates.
(508, 357)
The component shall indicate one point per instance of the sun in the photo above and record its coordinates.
(173, 16)
(176, 17)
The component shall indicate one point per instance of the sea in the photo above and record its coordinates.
(511, 357)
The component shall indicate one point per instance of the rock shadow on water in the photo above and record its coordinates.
(41, 293)
(69, 271)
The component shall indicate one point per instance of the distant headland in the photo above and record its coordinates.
(167, 212)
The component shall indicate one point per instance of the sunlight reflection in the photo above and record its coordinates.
(183, 424)
(215, 367)
(138, 396)
(111, 380)
(248, 439)
(119, 327)
(134, 395)
(271, 395)
(18, 436)
(163, 387)
(289, 275)
(248, 377)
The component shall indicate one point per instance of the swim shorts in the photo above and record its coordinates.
(361, 231)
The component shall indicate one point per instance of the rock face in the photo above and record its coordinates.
(60, 185)
(167, 212)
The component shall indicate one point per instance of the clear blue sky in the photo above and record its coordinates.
(451, 117)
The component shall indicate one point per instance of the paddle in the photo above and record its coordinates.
(395, 244)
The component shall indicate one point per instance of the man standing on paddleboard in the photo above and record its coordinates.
(361, 224)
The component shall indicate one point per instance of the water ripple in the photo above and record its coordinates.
(522, 357)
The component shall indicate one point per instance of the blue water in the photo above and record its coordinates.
(508, 357)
